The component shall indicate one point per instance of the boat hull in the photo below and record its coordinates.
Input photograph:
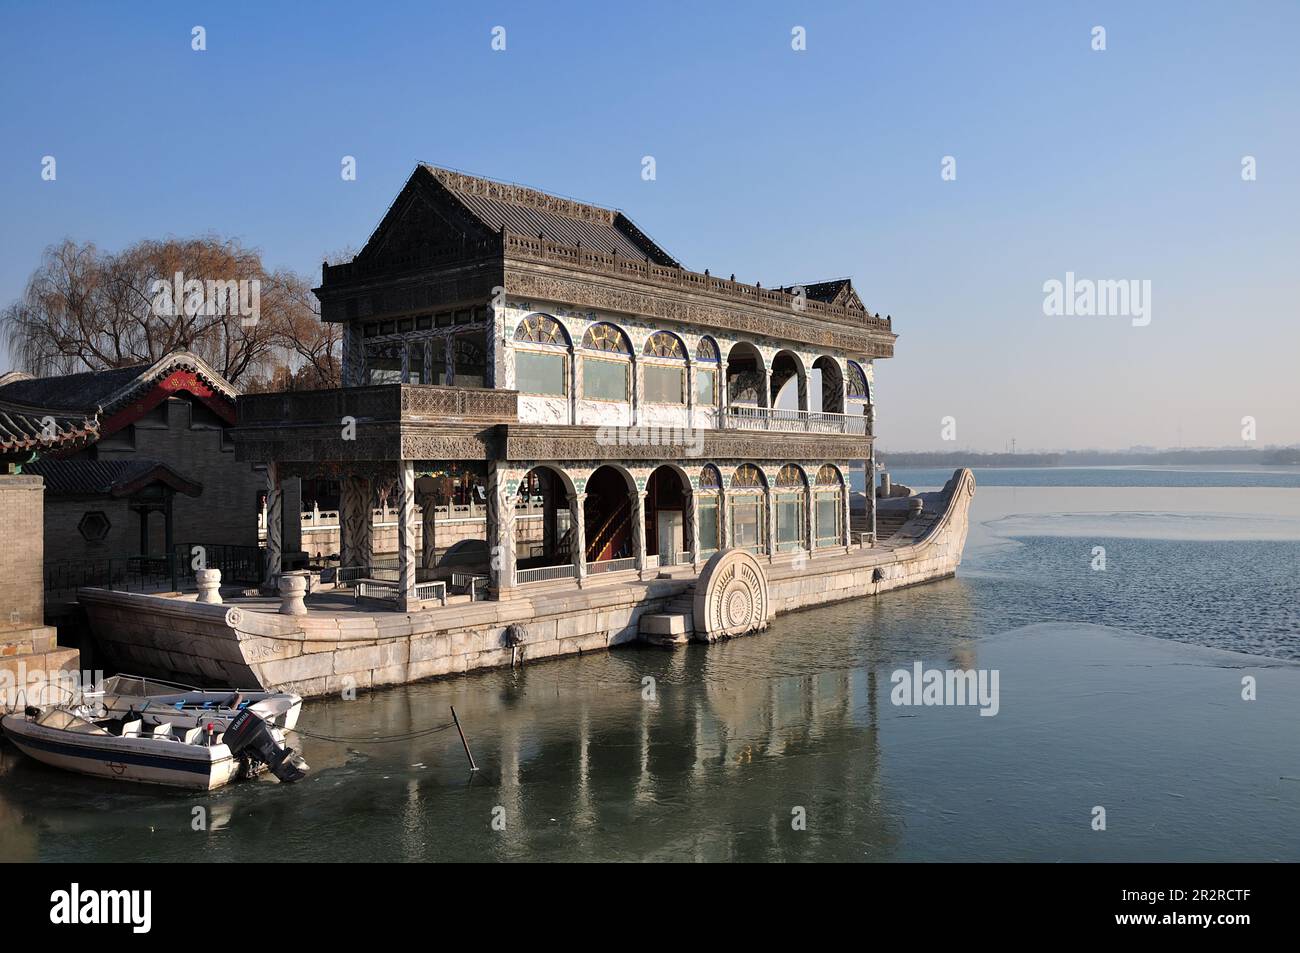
(142, 760)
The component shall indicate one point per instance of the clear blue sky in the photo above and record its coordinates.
(781, 166)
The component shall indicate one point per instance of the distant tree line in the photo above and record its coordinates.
(88, 309)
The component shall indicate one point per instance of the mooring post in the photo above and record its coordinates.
(472, 765)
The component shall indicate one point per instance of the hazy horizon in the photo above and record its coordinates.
(782, 166)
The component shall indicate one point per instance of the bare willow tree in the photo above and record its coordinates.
(84, 309)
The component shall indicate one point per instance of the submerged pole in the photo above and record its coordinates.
(472, 765)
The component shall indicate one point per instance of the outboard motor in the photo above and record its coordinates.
(249, 735)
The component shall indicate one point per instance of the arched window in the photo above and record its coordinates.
(747, 509)
(857, 382)
(708, 504)
(607, 337)
(665, 345)
(828, 506)
(706, 372)
(791, 504)
(607, 376)
(542, 329)
(541, 357)
(665, 369)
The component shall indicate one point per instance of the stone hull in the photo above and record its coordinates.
(327, 652)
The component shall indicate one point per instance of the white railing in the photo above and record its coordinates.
(390, 591)
(743, 417)
(675, 559)
(317, 520)
(611, 565)
(472, 583)
(386, 572)
(541, 573)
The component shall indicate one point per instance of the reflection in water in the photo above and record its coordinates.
(581, 761)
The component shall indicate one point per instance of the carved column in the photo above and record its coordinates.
(725, 398)
(355, 530)
(354, 356)
(724, 520)
(638, 389)
(449, 360)
(691, 527)
(810, 517)
(637, 500)
(575, 383)
(429, 532)
(501, 528)
(870, 500)
(406, 533)
(765, 399)
(274, 526)
(579, 537)
(769, 503)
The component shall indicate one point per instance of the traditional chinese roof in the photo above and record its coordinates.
(450, 238)
(837, 291)
(107, 391)
(24, 430)
(117, 478)
(502, 206)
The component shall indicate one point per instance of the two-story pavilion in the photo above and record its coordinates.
(511, 347)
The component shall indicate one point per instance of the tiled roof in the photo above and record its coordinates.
(525, 211)
(107, 477)
(23, 430)
(89, 391)
(836, 291)
(84, 391)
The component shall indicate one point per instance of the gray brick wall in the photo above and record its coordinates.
(225, 512)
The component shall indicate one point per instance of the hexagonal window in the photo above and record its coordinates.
(94, 526)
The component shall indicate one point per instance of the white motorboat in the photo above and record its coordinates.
(165, 752)
(156, 702)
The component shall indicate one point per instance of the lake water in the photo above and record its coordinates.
(1119, 688)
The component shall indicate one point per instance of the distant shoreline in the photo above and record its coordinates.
(1084, 458)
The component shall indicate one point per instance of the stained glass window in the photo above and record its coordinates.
(857, 382)
(663, 344)
(541, 329)
(606, 337)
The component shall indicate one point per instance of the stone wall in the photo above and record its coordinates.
(21, 583)
(325, 652)
(324, 540)
(224, 513)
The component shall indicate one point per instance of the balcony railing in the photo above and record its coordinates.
(741, 417)
(542, 573)
(610, 565)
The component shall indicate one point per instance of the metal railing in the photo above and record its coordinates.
(173, 571)
(541, 573)
(476, 585)
(610, 565)
(387, 572)
(391, 591)
(743, 417)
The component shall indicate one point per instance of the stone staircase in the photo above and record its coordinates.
(675, 625)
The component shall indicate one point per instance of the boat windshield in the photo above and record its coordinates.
(144, 687)
(63, 719)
